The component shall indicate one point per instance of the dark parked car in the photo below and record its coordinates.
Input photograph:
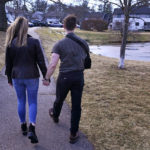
(36, 22)
(44, 24)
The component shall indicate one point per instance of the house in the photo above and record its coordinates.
(107, 17)
(37, 15)
(139, 19)
(10, 14)
(49, 17)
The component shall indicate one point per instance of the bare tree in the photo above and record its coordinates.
(40, 5)
(59, 6)
(106, 6)
(16, 6)
(20, 7)
(127, 7)
(3, 18)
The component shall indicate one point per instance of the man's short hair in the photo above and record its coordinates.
(70, 22)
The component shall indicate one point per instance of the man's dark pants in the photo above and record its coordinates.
(74, 82)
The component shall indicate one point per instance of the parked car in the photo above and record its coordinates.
(9, 22)
(78, 26)
(36, 22)
(60, 25)
(44, 24)
(30, 24)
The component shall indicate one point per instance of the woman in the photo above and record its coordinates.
(23, 56)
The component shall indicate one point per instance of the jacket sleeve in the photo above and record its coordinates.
(40, 58)
(9, 65)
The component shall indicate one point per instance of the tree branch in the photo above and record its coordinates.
(138, 3)
(125, 3)
(56, 1)
(59, 2)
(129, 3)
(111, 3)
(121, 3)
(116, 4)
(137, 18)
(7, 0)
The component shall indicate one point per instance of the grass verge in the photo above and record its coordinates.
(112, 37)
(115, 106)
(107, 37)
(2, 49)
(91, 37)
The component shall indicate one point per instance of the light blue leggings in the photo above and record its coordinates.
(31, 86)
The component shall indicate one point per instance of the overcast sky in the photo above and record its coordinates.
(91, 2)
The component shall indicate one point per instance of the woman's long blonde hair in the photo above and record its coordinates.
(18, 29)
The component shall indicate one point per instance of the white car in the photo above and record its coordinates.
(30, 24)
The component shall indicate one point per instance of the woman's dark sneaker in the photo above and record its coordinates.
(74, 138)
(32, 135)
(24, 129)
(55, 119)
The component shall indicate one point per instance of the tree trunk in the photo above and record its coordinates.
(16, 8)
(124, 42)
(3, 19)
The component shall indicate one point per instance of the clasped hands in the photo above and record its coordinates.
(46, 82)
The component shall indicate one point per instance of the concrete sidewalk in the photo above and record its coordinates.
(51, 136)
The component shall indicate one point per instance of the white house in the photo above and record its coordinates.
(38, 15)
(139, 19)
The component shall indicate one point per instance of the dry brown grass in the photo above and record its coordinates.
(2, 49)
(116, 103)
(116, 107)
(106, 37)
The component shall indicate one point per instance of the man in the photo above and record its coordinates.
(71, 77)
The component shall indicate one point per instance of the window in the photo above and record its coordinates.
(146, 23)
(145, 16)
(118, 16)
(137, 24)
(118, 25)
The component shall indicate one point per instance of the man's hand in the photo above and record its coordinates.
(10, 84)
(46, 83)
(51, 69)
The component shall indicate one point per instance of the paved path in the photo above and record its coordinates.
(51, 136)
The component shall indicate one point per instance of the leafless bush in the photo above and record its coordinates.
(94, 25)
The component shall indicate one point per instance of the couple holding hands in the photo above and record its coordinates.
(23, 58)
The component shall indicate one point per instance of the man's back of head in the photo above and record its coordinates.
(70, 22)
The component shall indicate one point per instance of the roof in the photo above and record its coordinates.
(9, 9)
(144, 10)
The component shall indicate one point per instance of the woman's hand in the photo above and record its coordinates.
(46, 82)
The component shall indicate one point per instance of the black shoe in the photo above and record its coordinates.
(55, 119)
(32, 135)
(74, 138)
(24, 129)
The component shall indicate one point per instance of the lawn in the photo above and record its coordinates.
(91, 37)
(116, 103)
(106, 37)
(109, 37)
(115, 106)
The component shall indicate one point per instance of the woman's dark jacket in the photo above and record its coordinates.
(23, 62)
